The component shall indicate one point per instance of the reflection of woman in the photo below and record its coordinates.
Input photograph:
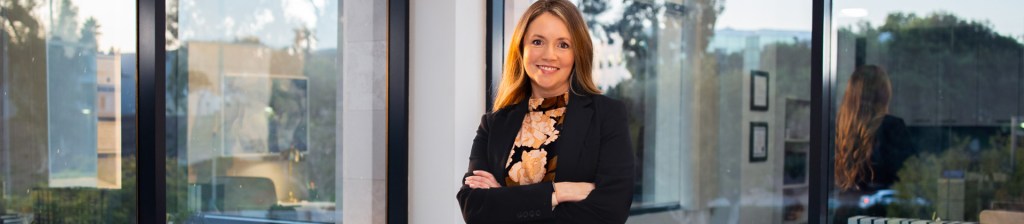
(870, 144)
(549, 118)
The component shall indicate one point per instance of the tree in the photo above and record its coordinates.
(25, 79)
(942, 68)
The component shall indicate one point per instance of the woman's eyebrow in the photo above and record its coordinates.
(542, 37)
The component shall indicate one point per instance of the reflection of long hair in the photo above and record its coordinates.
(515, 85)
(864, 106)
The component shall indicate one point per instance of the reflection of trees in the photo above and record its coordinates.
(25, 52)
(943, 63)
(792, 68)
(962, 75)
(988, 178)
(25, 79)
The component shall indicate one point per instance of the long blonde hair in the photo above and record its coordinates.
(864, 107)
(515, 84)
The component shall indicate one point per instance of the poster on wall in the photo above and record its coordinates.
(758, 141)
(758, 90)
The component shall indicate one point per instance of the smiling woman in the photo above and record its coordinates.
(549, 118)
(548, 51)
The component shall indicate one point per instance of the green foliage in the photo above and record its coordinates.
(83, 205)
(986, 178)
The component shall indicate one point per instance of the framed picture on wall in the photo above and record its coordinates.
(758, 90)
(758, 141)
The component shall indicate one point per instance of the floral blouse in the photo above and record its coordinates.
(533, 158)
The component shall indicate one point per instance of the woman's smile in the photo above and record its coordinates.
(547, 70)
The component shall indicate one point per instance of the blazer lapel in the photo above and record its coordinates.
(506, 129)
(570, 143)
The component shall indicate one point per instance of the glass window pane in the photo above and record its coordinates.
(928, 110)
(718, 94)
(68, 114)
(276, 111)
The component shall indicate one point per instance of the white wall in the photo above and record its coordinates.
(446, 100)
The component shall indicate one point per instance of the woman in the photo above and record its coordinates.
(871, 145)
(552, 149)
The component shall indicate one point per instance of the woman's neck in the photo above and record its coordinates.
(542, 93)
(543, 96)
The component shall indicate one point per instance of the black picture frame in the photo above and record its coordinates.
(758, 142)
(756, 93)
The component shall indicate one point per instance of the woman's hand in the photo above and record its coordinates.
(572, 191)
(564, 191)
(481, 180)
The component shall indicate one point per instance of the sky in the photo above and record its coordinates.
(1004, 15)
(272, 20)
(214, 20)
(116, 19)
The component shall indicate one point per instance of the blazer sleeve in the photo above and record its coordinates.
(612, 196)
(505, 204)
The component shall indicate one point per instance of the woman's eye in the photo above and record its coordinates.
(563, 45)
(535, 42)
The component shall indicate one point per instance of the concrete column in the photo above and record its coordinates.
(362, 108)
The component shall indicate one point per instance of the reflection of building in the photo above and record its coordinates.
(70, 107)
(108, 112)
(231, 118)
(84, 108)
(732, 40)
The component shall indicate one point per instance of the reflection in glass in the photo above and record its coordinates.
(66, 132)
(683, 70)
(257, 113)
(956, 76)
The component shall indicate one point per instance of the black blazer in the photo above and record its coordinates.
(594, 147)
(893, 146)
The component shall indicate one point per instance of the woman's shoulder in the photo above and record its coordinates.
(892, 121)
(608, 107)
(605, 103)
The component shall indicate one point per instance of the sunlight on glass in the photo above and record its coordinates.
(854, 12)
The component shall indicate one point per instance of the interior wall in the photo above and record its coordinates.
(446, 101)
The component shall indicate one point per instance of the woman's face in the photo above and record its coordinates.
(548, 55)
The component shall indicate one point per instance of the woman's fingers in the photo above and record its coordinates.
(488, 178)
(481, 182)
(572, 191)
(476, 184)
(484, 180)
(483, 174)
(588, 186)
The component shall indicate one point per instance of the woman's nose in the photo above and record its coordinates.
(549, 54)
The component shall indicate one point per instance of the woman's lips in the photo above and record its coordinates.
(547, 69)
